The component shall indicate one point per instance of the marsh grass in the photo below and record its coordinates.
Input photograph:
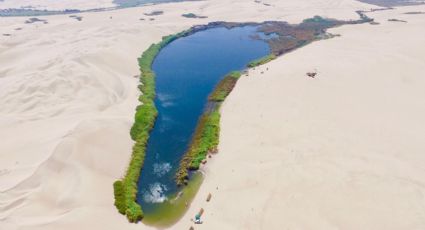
(262, 61)
(206, 137)
(205, 140)
(125, 190)
(225, 86)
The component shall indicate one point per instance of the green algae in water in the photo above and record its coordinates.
(169, 212)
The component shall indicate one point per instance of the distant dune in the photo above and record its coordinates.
(390, 3)
(56, 5)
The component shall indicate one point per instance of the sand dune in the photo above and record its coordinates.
(342, 151)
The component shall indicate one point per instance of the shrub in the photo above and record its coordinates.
(225, 86)
(134, 212)
(125, 190)
(119, 197)
(205, 139)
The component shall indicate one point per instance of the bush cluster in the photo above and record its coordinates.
(262, 61)
(225, 86)
(205, 140)
(125, 190)
(207, 133)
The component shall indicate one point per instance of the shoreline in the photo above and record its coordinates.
(206, 136)
(125, 190)
(209, 122)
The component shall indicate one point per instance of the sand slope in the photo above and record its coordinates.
(342, 151)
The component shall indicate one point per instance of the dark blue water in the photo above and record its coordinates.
(187, 70)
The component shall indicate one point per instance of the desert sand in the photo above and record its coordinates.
(340, 151)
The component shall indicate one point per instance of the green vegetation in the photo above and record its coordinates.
(207, 133)
(225, 86)
(262, 60)
(119, 197)
(317, 20)
(192, 15)
(189, 15)
(205, 140)
(125, 190)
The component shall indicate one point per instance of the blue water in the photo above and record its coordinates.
(187, 70)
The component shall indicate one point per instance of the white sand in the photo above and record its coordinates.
(341, 151)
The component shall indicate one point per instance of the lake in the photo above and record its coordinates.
(187, 70)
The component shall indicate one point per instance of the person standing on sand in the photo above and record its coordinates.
(198, 219)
